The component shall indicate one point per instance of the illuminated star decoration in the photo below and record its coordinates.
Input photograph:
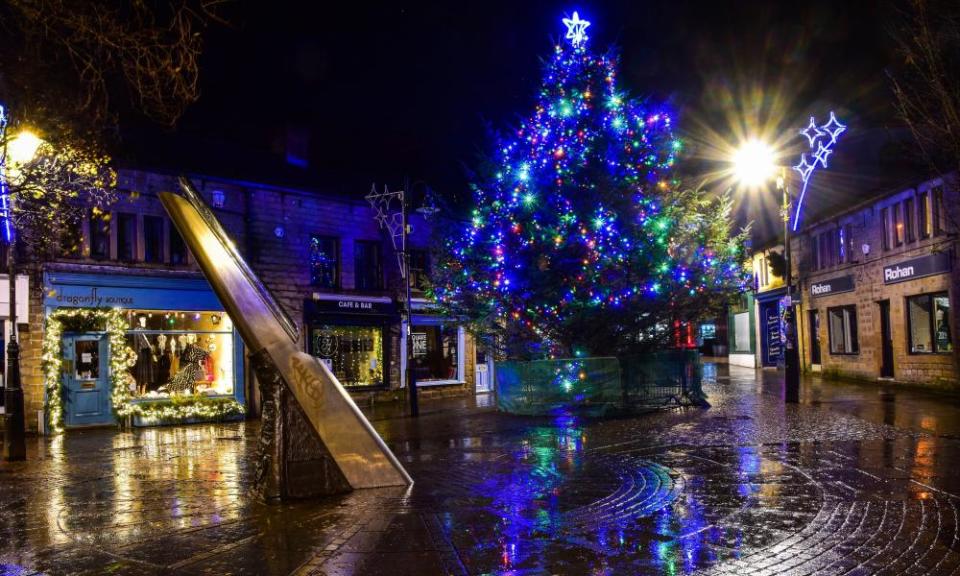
(821, 140)
(576, 30)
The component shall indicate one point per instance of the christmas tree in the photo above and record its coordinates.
(582, 240)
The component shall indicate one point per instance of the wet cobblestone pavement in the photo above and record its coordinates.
(854, 480)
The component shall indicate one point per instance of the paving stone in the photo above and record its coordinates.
(748, 487)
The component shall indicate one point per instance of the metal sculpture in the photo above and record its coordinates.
(314, 440)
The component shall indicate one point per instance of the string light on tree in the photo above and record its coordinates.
(580, 229)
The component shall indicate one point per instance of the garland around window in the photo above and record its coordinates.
(122, 357)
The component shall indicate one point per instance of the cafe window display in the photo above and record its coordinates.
(181, 353)
(435, 353)
(353, 353)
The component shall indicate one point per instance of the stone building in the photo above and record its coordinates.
(324, 258)
(877, 282)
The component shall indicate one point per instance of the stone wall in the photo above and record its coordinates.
(866, 257)
(271, 226)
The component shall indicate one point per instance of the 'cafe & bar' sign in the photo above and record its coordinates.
(917, 268)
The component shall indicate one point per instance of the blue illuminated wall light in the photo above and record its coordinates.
(821, 140)
(5, 222)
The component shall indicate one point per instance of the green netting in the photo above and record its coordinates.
(599, 385)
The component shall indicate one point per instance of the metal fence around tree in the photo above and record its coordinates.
(601, 386)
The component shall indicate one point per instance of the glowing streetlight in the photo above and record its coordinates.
(754, 163)
(22, 148)
(18, 150)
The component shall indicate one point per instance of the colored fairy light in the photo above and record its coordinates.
(576, 30)
(569, 202)
(821, 140)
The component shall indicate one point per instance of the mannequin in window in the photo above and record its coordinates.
(163, 361)
(191, 367)
(209, 367)
(145, 370)
(174, 356)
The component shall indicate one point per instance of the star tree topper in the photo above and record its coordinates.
(576, 30)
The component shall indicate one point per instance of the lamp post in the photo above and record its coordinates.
(754, 165)
(18, 150)
(395, 222)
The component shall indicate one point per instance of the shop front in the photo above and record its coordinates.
(769, 321)
(156, 349)
(352, 336)
(438, 356)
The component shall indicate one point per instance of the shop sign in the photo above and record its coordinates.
(89, 297)
(832, 286)
(75, 290)
(772, 320)
(350, 306)
(419, 341)
(917, 268)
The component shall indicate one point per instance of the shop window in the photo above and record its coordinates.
(368, 266)
(842, 245)
(99, 235)
(908, 219)
(898, 228)
(929, 323)
(126, 237)
(815, 253)
(843, 330)
(353, 353)
(324, 262)
(938, 213)
(885, 222)
(181, 353)
(848, 242)
(153, 239)
(925, 215)
(741, 336)
(434, 353)
(829, 245)
(419, 270)
(178, 248)
(71, 239)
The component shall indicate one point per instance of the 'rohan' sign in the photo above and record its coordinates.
(917, 268)
(832, 286)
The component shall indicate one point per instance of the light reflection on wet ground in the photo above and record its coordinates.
(852, 481)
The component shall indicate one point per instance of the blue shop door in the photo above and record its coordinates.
(86, 381)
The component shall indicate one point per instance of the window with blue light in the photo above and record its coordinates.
(324, 261)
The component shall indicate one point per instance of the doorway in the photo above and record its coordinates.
(814, 328)
(886, 341)
(86, 380)
(483, 374)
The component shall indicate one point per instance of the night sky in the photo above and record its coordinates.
(383, 91)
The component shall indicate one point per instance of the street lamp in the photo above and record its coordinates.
(754, 164)
(395, 221)
(18, 151)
